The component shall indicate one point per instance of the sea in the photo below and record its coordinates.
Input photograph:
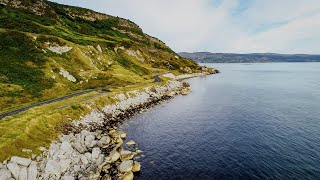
(251, 121)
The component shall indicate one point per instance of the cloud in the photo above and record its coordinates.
(281, 26)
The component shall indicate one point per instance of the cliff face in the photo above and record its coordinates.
(48, 50)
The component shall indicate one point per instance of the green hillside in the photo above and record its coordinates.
(49, 50)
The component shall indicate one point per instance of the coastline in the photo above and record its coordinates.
(90, 148)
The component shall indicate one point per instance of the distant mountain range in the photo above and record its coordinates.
(207, 57)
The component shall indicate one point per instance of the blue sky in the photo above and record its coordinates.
(240, 26)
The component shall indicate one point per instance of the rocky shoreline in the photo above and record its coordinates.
(91, 148)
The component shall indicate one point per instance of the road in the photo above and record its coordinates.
(13, 112)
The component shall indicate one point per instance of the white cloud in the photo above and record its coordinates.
(283, 26)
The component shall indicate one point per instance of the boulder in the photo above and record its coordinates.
(66, 147)
(105, 140)
(114, 156)
(88, 155)
(64, 165)
(67, 178)
(88, 141)
(53, 168)
(5, 174)
(21, 161)
(23, 175)
(125, 166)
(131, 143)
(14, 169)
(136, 166)
(79, 147)
(66, 138)
(123, 135)
(95, 153)
(32, 171)
(100, 159)
(84, 159)
(126, 176)
(126, 155)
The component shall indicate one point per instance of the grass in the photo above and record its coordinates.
(39, 126)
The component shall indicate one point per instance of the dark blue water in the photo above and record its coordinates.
(252, 121)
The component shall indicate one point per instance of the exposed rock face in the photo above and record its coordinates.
(67, 75)
(59, 49)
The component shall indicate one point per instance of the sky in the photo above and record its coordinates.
(233, 26)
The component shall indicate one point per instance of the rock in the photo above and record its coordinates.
(88, 155)
(5, 174)
(100, 159)
(67, 178)
(53, 168)
(33, 156)
(106, 177)
(21, 161)
(26, 150)
(23, 175)
(131, 143)
(95, 153)
(64, 138)
(84, 159)
(123, 135)
(89, 141)
(42, 149)
(114, 156)
(139, 151)
(105, 140)
(64, 165)
(79, 147)
(125, 166)
(66, 147)
(14, 169)
(32, 171)
(99, 48)
(126, 155)
(136, 166)
(126, 176)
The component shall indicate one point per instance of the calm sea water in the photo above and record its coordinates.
(252, 121)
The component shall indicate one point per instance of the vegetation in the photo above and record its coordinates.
(49, 50)
(27, 64)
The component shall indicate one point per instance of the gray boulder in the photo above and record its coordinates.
(53, 168)
(14, 169)
(32, 171)
(126, 166)
(95, 153)
(21, 161)
(23, 175)
(5, 174)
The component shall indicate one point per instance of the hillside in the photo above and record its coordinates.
(48, 50)
(207, 57)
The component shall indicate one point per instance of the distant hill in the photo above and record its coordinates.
(207, 57)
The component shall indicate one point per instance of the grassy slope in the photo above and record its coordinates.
(27, 67)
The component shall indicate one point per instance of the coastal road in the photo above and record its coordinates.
(13, 112)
